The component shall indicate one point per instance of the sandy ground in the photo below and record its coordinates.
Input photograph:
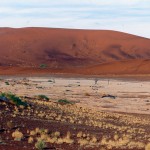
(132, 96)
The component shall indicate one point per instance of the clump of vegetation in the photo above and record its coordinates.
(30, 140)
(64, 101)
(40, 145)
(17, 135)
(50, 81)
(13, 99)
(7, 83)
(43, 66)
(44, 136)
(43, 97)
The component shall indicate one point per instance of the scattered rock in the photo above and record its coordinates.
(109, 96)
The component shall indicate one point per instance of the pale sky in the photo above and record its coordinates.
(131, 16)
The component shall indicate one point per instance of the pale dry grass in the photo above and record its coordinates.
(17, 135)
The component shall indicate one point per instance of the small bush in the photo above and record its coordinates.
(30, 140)
(64, 101)
(14, 99)
(43, 97)
(50, 81)
(40, 145)
(17, 135)
(43, 66)
(7, 83)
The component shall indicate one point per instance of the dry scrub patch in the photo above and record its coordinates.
(54, 125)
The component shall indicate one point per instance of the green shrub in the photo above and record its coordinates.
(50, 81)
(40, 145)
(43, 66)
(7, 83)
(64, 101)
(43, 97)
(13, 98)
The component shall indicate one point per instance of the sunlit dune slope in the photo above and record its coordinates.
(78, 51)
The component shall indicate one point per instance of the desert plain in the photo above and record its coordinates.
(130, 95)
(91, 113)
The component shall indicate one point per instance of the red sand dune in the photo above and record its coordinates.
(72, 51)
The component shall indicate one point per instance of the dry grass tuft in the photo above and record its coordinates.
(17, 135)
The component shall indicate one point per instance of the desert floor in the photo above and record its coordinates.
(131, 96)
(102, 113)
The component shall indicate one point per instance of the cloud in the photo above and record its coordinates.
(124, 15)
